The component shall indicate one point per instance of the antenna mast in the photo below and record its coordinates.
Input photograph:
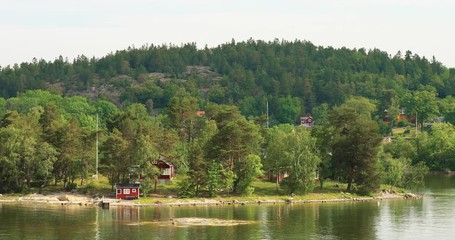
(96, 146)
(267, 113)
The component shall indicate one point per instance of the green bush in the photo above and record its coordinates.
(403, 123)
(71, 186)
(186, 189)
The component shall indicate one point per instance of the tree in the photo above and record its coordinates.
(214, 177)
(355, 147)
(10, 158)
(47, 155)
(71, 151)
(394, 169)
(182, 113)
(106, 111)
(288, 109)
(360, 105)
(301, 159)
(324, 135)
(388, 106)
(440, 146)
(2, 106)
(151, 174)
(235, 139)
(247, 170)
(275, 145)
(400, 172)
(401, 148)
(447, 109)
(293, 150)
(198, 168)
(80, 108)
(422, 103)
(116, 157)
(23, 153)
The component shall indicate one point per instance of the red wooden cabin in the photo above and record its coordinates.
(166, 171)
(306, 121)
(273, 175)
(127, 191)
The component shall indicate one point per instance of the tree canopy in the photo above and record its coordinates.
(207, 111)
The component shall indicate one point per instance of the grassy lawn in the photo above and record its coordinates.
(167, 193)
(263, 190)
(404, 131)
(398, 131)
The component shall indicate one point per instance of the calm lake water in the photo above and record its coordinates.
(430, 218)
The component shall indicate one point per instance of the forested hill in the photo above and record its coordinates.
(295, 74)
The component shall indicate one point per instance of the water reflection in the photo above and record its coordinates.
(428, 218)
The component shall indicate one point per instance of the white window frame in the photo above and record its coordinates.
(133, 190)
(126, 191)
(166, 171)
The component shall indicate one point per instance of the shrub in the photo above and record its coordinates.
(403, 123)
(71, 186)
(186, 189)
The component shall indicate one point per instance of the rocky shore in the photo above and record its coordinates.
(83, 200)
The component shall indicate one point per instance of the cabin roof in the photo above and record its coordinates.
(162, 161)
(131, 185)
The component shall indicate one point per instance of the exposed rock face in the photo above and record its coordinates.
(63, 198)
(410, 196)
(194, 221)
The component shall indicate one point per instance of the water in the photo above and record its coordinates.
(430, 218)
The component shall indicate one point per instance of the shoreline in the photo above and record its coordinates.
(81, 200)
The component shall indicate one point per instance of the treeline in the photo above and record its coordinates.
(252, 73)
(49, 139)
(354, 95)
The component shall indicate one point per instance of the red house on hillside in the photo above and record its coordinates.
(200, 113)
(127, 191)
(166, 171)
(306, 121)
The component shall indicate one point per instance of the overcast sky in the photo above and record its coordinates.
(49, 28)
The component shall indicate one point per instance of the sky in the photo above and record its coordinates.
(46, 29)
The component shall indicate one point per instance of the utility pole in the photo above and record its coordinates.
(416, 123)
(267, 114)
(96, 147)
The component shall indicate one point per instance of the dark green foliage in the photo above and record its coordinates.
(186, 189)
(435, 147)
(150, 173)
(402, 173)
(56, 133)
(258, 69)
(198, 169)
(214, 178)
(288, 109)
(247, 170)
(292, 150)
(422, 103)
(354, 148)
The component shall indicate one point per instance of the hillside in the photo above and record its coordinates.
(354, 95)
(117, 88)
(247, 74)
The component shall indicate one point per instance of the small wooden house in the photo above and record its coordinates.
(127, 191)
(273, 175)
(306, 121)
(166, 171)
(200, 113)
